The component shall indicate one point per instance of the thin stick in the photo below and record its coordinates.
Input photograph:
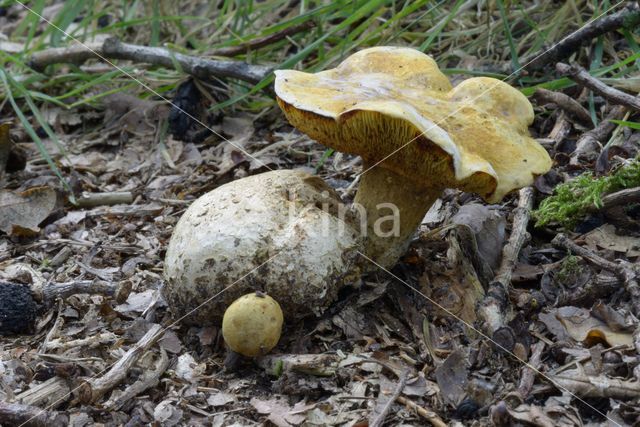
(582, 76)
(52, 291)
(628, 196)
(494, 305)
(93, 388)
(112, 48)
(91, 200)
(629, 17)
(567, 103)
(148, 380)
(528, 374)
(588, 146)
(262, 41)
(626, 271)
(429, 415)
(379, 420)
(30, 416)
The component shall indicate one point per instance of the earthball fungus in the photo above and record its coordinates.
(252, 324)
(279, 232)
(416, 134)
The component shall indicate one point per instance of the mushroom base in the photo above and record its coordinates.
(392, 208)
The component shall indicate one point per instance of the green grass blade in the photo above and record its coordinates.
(515, 61)
(34, 135)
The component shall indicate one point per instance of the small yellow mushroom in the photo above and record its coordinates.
(252, 324)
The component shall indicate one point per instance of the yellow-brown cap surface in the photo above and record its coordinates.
(473, 136)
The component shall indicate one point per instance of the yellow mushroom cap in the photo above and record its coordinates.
(252, 324)
(395, 102)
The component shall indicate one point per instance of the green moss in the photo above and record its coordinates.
(572, 200)
(570, 267)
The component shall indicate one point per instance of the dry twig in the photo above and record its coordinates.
(494, 305)
(30, 416)
(429, 415)
(582, 76)
(52, 291)
(568, 104)
(93, 388)
(528, 374)
(379, 420)
(627, 196)
(262, 41)
(148, 380)
(626, 271)
(91, 200)
(629, 17)
(589, 144)
(112, 48)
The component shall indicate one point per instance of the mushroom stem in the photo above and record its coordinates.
(393, 208)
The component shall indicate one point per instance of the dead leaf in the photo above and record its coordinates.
(554, 325)
(605, 237)
(387, 388)
(170, 342)
(527, 272)
(220, 399)
(92, 161)
(581, 384)
(280, 413)
(72, 218)
(452, 377)
(582, 326)
(188, 369)
(137, 302)
(132, 114)
(488, 226)
(21, 213)
(167, 414)
(614, 320)
(207, 335)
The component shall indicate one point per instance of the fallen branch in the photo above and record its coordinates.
(93, 389)
(582, 76)
(628, 196)
(53, 291)
(148, 380)
(589, 144)
(262, 41)
(113, 48)
(529, 374)
(14, 414)
(492, 308)
(429, 415)
(49, 394)
(627, 272)
(578, 382)
(629, 17)
(379, 420)
(322, 364)
(601, 286)
(92, 341)
(566, 103)
(91, 200)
